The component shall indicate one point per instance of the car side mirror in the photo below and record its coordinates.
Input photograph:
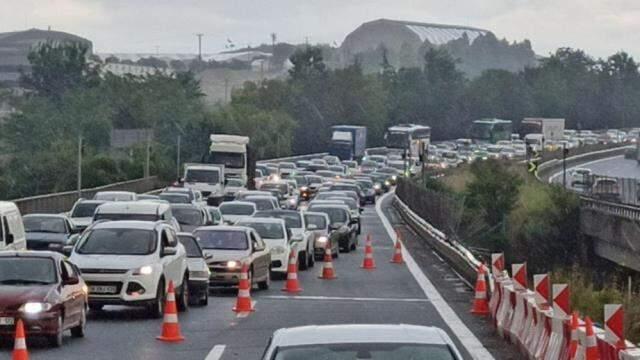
(361, 210)
(169, 251)
(353, 222)
(208, 256)
(55, 247)
(9, 239)
(73, 280)
(67, 250)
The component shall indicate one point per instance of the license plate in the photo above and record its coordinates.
(97, 289)
(6, 321)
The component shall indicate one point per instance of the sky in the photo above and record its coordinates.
(600, 27)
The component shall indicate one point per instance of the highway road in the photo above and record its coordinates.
(616, 166)
(425, 291)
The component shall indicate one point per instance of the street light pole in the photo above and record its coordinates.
(564, 165)
(178, 159)
(79, 184)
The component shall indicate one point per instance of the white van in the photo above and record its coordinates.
(12, 229)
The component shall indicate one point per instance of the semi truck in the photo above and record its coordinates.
(348, 142)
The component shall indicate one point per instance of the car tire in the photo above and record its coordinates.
(79, 330)
(56, 339)
(204, 301)
(264, 285)
(183, 299)
(95, 307)
(312, 260)
(156, 307)
(304, 261)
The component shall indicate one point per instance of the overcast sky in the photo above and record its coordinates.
(600, 27)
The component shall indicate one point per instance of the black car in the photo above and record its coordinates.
(343, 227)
(44, 230)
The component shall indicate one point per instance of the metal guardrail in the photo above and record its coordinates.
(626, 211)
(293, 158)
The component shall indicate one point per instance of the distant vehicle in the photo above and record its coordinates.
(380, 160)
(301, 239)
(175, 198)
(343, 228)
(43, 230)
(581, 178)
(535, 142)
(508, 153)
(207, 178)
(318, 224)
(231, 151)
(411, 137)
(263, 202)
(44, 290)
(550, 129)
(191, 217)
(331, 160)
(132, 263)
(233, 211)
(275, 235)
(216, 216)
(354, 208)
(368, 189)
(195, 196)
(493, 152)
(142, 197)
(198, 270)
(232, 187)
(228, 248)
(115, 196)
(490, 130)
(449, 159)
(140, 211)
(81, 213)
(606, 189)
(368, 166)
(348, 142)
(361, 342)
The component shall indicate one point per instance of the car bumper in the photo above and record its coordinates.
(198, 286)
(41, 324)
(224, 278)
(128, 289)
(279, 262)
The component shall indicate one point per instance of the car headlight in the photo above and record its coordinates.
(35, 307)
(322, 240)
(386, 182)
(145, 270)
(293, 201)
(394, 177)
(232, 265)
(376, 186)
(304, 188)
(278, 250)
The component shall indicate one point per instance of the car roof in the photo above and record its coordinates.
(278, 211)
(222, 228)
(184, 206)
(133, 207)
(235, 202)
(57, 216)
(116, 192)
(262, 220)
(333, 206)
(91, 201)
(356, 333)
(29, 253)
(260, 197)
(126, 224)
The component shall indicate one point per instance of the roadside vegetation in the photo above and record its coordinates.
(502, 208)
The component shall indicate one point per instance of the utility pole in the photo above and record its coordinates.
(200, 35)
(147, 156)
(226, 90)
(178, 158)
(79, 166)
(564, 165)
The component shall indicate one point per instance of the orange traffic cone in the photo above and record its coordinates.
(591, 347)
(327, 268)
(397, 253)
(170, 326)
(20, 345)
(292, 285)
(480, 303)
(573, 345)
(368, 263)
(243, 302)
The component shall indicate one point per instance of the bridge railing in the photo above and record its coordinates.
(612, 208)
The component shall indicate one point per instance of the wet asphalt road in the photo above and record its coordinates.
(390, 294)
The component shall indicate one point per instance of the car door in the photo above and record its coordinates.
(71, 295)
(169, 263)
(260, 265)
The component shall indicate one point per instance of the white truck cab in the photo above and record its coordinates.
(206, 178)
(12, 236)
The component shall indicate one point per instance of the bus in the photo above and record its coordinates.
(408, 136)
(491, 130)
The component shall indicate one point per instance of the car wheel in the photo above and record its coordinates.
(156, 308)
(204, 301)
(312, 260)
(183, 299)
(56, 339)
(95, 307)
(264, 285)
(304, 261)
(79, 330)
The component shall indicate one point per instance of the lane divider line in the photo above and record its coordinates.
(466, 337)
(338, 298)
(216, 352)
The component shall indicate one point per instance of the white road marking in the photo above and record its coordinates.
(466, 337)
(338, 298)
(216, 352)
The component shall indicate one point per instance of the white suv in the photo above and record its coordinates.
(131, 263)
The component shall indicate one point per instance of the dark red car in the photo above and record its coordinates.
(45, 291)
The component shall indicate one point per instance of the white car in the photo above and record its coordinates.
(198, 270)
(361, 342)
(138, 211)
(132, 263)
(232, 187)
(232, 211)
(82, 212)
(275, 235)
(115, 196)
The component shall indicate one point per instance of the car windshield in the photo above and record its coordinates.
(44, 224)
(314, 179)
(188, 216)
(84, 210)
(118, 242)
(222, 239)
(336, 215)
(202, 176)
(365, 184)
(319, 221)
(292, 220)
(125, 216)
(347, 201)
(370, 351)
(27, 271)
(190, 245)
(262, 204)
(234, 183)
(215, 215)
(108, 196)
(236, 209)
(369, 163)
(265, 230)
(282, 188)
(175, 198)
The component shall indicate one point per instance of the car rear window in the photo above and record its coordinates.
(371, 351)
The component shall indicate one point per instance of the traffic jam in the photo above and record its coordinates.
(172, 249)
